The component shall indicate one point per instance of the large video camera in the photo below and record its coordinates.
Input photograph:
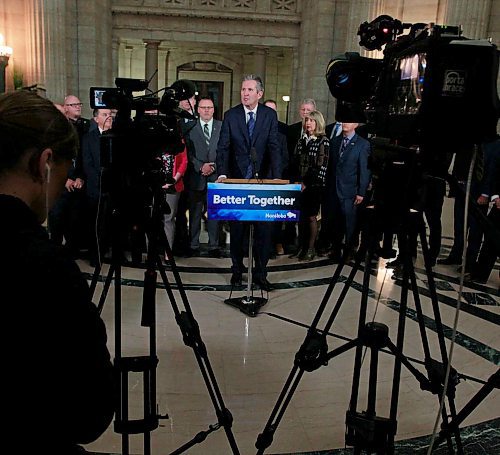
(434, 93)
(132, 150)
(431, 82)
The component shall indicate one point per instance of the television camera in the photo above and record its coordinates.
(428, 82)
(131, 150)
(433, 93)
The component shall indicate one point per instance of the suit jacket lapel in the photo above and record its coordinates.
(212, 148)
(242, 121)
(348, 150)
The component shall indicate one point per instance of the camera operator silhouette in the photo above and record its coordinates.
(61, 394)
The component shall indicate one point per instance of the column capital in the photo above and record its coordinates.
(151, 43)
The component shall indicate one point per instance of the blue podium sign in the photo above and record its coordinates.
(253, 202)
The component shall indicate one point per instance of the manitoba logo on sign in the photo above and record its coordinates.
(454, 83)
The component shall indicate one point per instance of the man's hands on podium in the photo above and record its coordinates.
(220, 179)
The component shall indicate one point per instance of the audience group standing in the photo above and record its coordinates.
(329, 161)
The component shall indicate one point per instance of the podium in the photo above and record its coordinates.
(252, 200)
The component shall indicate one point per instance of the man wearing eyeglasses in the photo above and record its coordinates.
(202, 148)
(65, 216)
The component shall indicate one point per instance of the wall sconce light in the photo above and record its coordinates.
(286, 99)
(5, 53)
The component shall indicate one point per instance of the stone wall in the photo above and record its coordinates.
(68, 46)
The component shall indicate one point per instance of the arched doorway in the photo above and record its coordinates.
(212, 79)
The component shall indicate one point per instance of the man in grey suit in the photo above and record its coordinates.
(202, 149)
(347, 183)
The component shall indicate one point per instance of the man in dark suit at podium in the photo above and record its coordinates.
(248, 148)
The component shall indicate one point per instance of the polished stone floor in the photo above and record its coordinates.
(253, 356)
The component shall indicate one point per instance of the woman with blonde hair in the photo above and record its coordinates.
(311, 157)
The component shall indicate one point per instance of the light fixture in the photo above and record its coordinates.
(5, 53)
(286, 99)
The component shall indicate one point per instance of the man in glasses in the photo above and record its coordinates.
(202, 148)
(65, 216)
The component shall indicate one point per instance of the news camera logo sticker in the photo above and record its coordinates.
(454, 83)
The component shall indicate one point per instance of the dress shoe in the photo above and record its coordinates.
(297, 254)
(309, 256)
(393, 264)
(279, 249)
(450, 260)
(193, 253)
(335, 257)
(264, 284)
(236, 279)
(214, 253)
(476, 278)
(387, 253)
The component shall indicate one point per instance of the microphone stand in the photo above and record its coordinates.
(249, 304)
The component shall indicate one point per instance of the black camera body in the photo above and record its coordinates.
(145, 129)
(429, 83)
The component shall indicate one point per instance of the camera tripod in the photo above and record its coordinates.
(366, 431)
(157, 243)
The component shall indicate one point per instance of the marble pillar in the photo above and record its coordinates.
(35, 43)
(54, 17)
(472, 16)
(151, 67)
(361, 11)
(260, 62)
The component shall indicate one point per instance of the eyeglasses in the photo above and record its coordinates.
(74, 104)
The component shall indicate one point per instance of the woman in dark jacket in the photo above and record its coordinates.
(311, 157)
(58, 374)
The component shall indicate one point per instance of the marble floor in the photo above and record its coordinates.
(252, 356)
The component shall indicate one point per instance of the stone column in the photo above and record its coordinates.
(473, 16)
(361, 11)
(35, 43)
(115, 57)
(152, 63)
(55, 27)
(260, 55)
(168, 80)
(314, 52)
(129, 50)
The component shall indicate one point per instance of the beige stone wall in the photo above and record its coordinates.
(68, 46)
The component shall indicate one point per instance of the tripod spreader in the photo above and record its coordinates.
(436, 372)
(312, 354)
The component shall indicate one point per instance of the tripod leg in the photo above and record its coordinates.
(450, 393)
(353, 403)
(95, 279)
(105, 290)
(406, 260)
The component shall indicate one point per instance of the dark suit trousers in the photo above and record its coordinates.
(181, 237)
(475, 233)
(197, 200)
(433, 207)
(489, 250)
(344, 221)
(262, 243)
(65, 220)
